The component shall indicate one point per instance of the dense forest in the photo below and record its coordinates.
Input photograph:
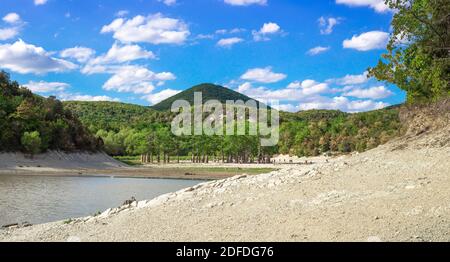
(34, 124)
(137, 130)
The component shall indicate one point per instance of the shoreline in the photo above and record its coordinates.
(181, 172)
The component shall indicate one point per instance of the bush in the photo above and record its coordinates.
(31, 141)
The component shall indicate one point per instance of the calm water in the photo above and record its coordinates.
(40, 199)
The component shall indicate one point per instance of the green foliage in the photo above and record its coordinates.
(115, 116)
(209, 92)
(418, 58)
(132, 130)
(31, 142)
(337, 132)
(27, 120)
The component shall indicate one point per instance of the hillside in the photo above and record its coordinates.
(33, 124)
(209, 92)
(114, 115)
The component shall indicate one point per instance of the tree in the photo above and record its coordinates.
(31, 141)
(418, 58)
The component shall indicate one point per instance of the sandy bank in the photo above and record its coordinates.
(55, 161)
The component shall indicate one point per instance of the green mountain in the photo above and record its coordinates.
(209, 92)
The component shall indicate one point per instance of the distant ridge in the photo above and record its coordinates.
(209, 92)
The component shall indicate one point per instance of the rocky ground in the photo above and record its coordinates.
(397, 192)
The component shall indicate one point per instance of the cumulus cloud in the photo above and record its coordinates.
(296, 91)
(310, 94)
(135, 79)
(318, 50)
(245, 2)
(46, 87)
(376, 93)
(327, 25)
(155, 98)
(154, 29)
(342, 103)
(378, 5)
(25, 58)
(367, 41)
(266, 30)
(263, 75)
(40, 2)
(79, 53)
(229, 42)
(123, 53)
(12, 18)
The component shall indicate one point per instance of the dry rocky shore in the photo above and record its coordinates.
(397, 192)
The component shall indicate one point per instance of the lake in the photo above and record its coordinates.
(41, 199)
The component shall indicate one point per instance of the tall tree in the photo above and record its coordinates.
(418, 58)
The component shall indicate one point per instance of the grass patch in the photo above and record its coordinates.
(129, 160)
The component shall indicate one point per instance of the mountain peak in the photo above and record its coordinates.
(209, 92)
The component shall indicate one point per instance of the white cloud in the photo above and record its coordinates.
(352, 79)
(46, 87)
(229, 42)
(16, 25)
(160, 96)
(245, 2)
(79, 53)
(25, 58)
(12, 18)
(266, 30)
(377, 92)
(367, 41)
(80, 97)
(123, 53)
(8, 33)
(318, 50)
(135, 79)
(122, 13)
(168, 2)
(40, 2)
(154, 29)
(378, 5)
(230, 31)
(263, 75)
(342, 103)
(327, 25)
(310, 94)
(296, 91)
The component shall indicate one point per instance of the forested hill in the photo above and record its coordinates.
(126, 129)
(34, 124)
(209, 92)
(115, 115)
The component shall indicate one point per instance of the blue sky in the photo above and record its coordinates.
(307, 54)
